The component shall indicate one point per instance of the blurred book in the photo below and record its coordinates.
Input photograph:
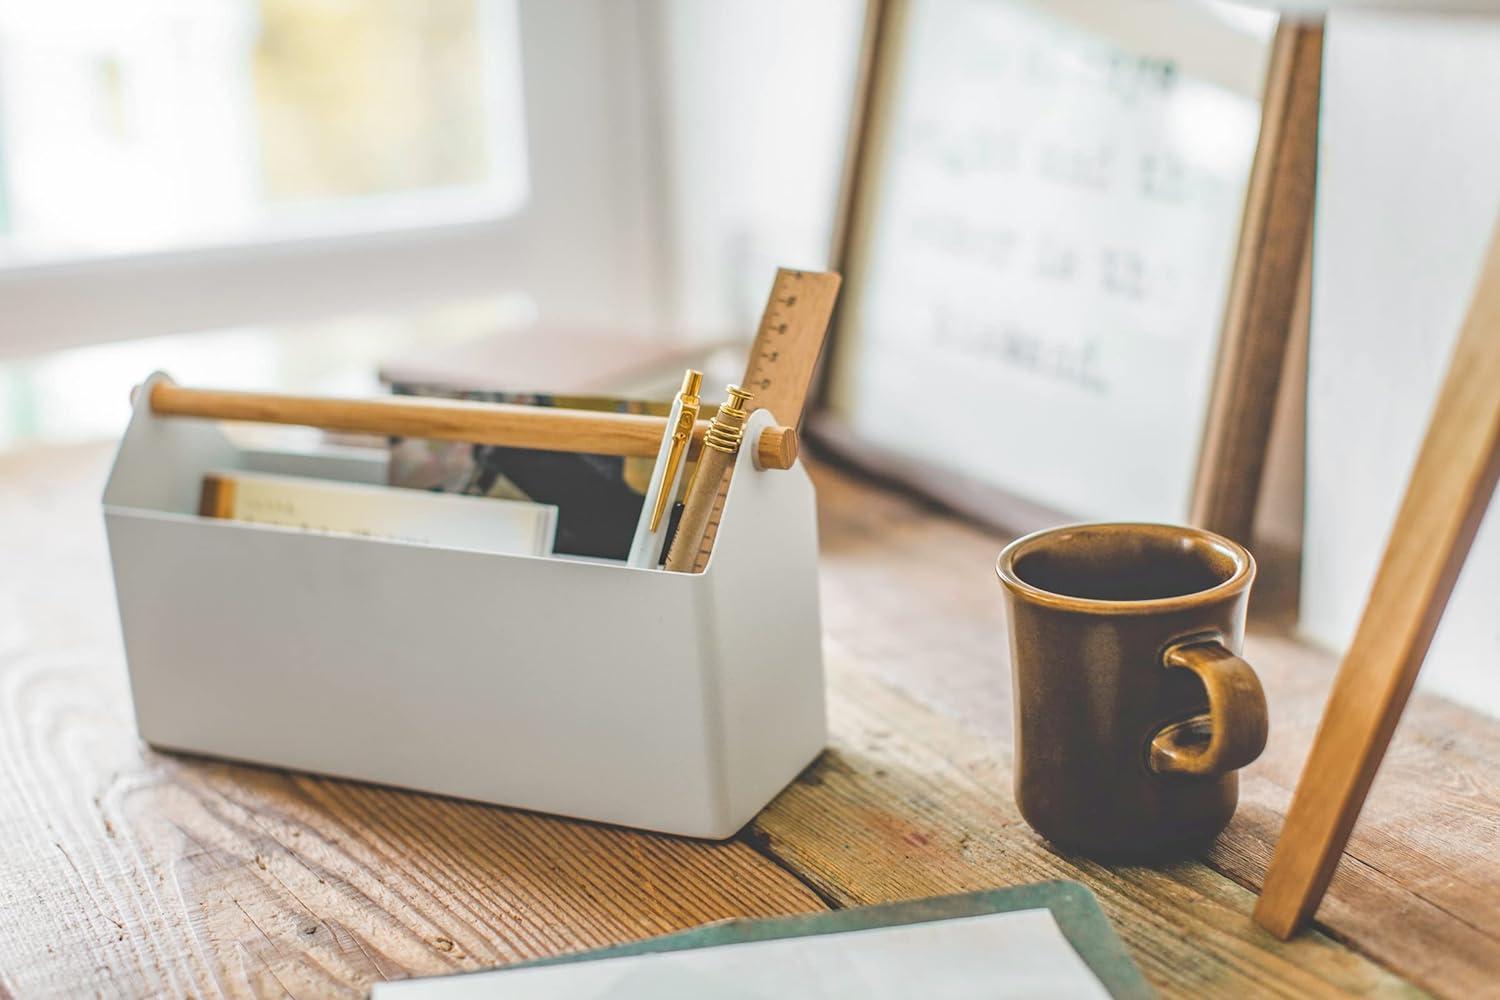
(567, 361)
(598, 497)
(326, 505)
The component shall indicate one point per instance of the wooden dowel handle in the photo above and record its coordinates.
(633, 435)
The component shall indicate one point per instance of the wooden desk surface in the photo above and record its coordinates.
(124, 871)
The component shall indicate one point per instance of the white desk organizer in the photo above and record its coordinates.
(669, 701)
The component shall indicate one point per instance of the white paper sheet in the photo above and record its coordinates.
(1017, 954)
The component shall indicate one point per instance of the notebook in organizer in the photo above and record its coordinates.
(1072, 908)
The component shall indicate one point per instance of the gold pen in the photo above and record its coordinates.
(682, 433)
(645, 548)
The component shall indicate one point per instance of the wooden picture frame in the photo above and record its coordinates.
(1261, 304)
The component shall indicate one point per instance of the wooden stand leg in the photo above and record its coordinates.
(1449, 491)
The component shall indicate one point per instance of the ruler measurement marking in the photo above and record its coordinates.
(794, 302)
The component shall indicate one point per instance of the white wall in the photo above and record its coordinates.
(755, 108)
(1409, 190)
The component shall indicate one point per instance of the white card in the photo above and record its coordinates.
(1017, 954)
(483, 524)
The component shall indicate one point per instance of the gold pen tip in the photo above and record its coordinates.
(738, 397)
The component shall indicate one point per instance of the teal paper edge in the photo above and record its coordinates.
(1073, 906)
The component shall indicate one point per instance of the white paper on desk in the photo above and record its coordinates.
(1017, 954)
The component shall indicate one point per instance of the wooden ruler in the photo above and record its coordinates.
(782, 360)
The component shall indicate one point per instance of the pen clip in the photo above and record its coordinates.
(681, 435)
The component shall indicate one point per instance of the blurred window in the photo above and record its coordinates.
(170, 166)
(280, 193)
(161, 124)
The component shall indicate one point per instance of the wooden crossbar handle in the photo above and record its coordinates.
(633, 435)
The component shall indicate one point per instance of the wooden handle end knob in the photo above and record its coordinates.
(777, 448)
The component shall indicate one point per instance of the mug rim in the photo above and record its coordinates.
(1244, 570)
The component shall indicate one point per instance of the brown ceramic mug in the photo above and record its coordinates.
(1133, 709)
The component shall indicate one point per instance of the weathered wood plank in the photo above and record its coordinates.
(904, 805)
(911, 595)
(1420, 882)
(128, 872)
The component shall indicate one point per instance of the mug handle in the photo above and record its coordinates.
(1233, 731)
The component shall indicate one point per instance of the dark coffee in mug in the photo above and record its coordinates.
(1133, 709)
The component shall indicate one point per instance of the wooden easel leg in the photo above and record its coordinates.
(1449, 490)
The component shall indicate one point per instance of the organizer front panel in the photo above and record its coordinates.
(430, 668)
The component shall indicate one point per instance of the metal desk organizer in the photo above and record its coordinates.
(674, 702)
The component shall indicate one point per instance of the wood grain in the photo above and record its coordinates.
(789, 342)
(636, 435)
(1449, 491)
(127, 872)
(910, 595)
(698, 508)
(778, 450)
(1263, 294)
(905, 805)
(779, 371)
(130, 872)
